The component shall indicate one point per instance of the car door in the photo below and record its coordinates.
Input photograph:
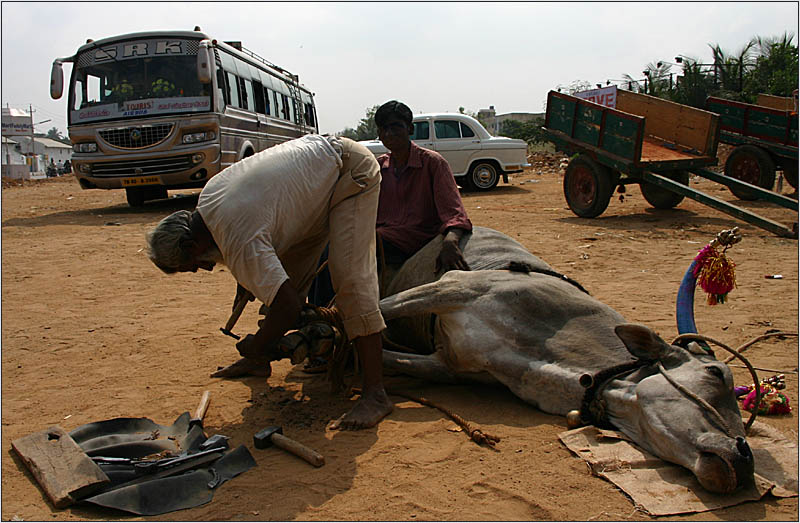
(422, 133)
(456, 142)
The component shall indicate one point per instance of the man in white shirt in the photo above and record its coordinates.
(268, 218)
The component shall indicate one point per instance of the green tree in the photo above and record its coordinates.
(366, 129)
(775, 69)
(694, 86)
(531, 131)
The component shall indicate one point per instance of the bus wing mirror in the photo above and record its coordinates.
(204, 62)
(56, 80)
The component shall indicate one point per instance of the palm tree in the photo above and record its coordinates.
(55, 134)
(693, 87)
(729, 69)
(775, 68)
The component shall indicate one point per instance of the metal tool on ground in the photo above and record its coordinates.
(200, 413)
(269, 436)
(238, 308)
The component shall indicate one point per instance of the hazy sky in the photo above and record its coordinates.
(432, 56)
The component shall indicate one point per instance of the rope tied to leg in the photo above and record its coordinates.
(475, 434)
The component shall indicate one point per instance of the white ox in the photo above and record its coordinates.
(547, 340)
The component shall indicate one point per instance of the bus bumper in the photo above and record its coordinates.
(175, 169)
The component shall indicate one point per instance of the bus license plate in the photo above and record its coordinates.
(141, 180)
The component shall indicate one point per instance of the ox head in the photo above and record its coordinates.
(682, 408)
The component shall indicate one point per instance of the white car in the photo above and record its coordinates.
(477, 158)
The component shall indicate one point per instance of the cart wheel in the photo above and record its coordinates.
(662, 198)
(587, 187)
(790, 173)
(753, 165)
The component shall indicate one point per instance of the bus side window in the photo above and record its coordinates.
(310, 114)
(258, 96)
(248, 95)
(276, 107)
(223, 88)
(267, 102)
(242, 93)
(285, 107)
(233, 89)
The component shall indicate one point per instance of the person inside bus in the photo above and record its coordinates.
(268, 218)
(419, 200)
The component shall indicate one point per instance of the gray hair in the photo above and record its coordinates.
(164, 241)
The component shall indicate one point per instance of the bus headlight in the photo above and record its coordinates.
(198, 158)
(198, 137)
(85, 168)
(86, 147)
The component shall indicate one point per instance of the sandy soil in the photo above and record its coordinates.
(91, 330)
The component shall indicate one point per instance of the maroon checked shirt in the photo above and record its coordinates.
(418, 201)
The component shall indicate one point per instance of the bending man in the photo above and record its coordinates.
(268, 218)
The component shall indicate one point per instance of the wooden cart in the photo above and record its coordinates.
(764, 137)
(648, 141)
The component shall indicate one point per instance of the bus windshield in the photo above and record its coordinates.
(119, 89)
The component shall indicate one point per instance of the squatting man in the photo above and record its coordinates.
(268, 218)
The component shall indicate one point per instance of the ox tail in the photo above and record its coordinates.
(527, 268)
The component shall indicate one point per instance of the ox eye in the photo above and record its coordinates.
(716, 372)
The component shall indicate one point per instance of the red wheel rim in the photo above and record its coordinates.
(745, 167)
(582, 186)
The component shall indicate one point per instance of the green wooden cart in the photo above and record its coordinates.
(764, 137)
(647, 141)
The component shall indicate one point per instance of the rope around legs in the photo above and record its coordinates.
(476, 435)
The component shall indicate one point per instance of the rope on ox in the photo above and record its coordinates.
(735, 354)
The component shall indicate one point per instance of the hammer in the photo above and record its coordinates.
(269, 436)
(202, 407)
(237, 311)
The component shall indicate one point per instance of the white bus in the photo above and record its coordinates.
(153, 111)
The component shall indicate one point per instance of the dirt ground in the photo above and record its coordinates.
(91, 330)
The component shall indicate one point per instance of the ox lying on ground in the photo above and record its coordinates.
(513, 319)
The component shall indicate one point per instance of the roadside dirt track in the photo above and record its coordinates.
(91, 330)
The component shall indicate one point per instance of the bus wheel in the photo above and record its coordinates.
(790, 173)
(662, 198)
(753, 165)
(587, 187)
(136, 196)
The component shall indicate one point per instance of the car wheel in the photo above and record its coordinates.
(753, 165)
(662, 198)
(587, 187)
(483, 176)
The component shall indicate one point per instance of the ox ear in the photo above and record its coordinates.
(642, 342)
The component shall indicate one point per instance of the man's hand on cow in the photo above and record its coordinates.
(451, 258)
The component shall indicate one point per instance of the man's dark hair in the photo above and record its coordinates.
(393, 108)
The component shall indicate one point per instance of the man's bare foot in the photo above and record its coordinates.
(367, 412)
(244, 367)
